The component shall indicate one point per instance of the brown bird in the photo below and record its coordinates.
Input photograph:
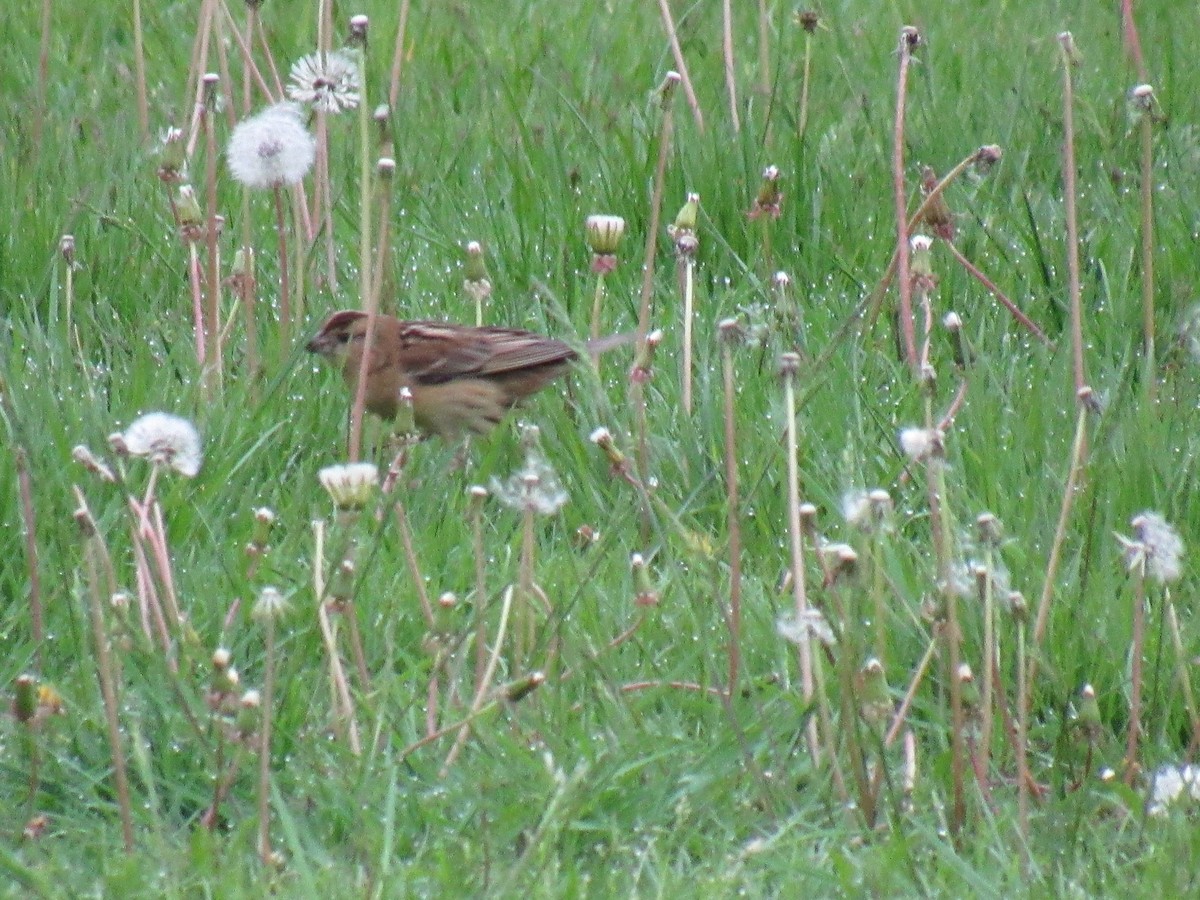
(462, 378)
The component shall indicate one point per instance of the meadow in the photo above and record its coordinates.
(861, 571)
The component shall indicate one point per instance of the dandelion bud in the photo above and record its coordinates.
(341, 585)
(66, 246)
(518, 690)
(910, 37)
(646, 595)
(922, 256)
(243, 264)
(1087, 716)
(987, 527)
(210, 82)
(603, 439)
(963, 354)
(358, 30)
(1141, 103)
(729, 331)
(86, 458)
(874, 695)
(789, 365)
(666, 90)
(808, 521)
(986, 157)
(249, 708)
(769, 200)
(688, 213)
(585, 536)
(1017, 607)
(25, 699)
(643, 363)
(1069, 49)
(190, 214)
(172, 158)
(476, 268)
(443, 613)
(808, 20)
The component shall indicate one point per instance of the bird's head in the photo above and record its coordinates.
(339, 333)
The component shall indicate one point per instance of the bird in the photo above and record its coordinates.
(463, 378)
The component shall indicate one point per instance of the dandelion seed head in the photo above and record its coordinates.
(164, 439)
(920, 443)
(1170, 785)
(534, 486)
(1163, 546)
(271, 149)
(856, 508)
(328, 82)
(810, 624)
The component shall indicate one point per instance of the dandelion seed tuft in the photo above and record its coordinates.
(920, 443)
(328, 82)
(1158, 545)
(535, 486)
(164, 439)
(271, 149)
(271, 604)
(811, 624)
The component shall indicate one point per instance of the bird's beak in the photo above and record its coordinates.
(323, 344)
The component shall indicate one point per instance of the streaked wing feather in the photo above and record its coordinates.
(435, 352)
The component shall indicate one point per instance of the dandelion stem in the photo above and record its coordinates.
(664, 7)
(908, 36)
(733, 518)
(139, 70)
(264, 746)
(802, 114)
(796, 536)
(1069, 205)
(398, 55)
(727, 55)
(1147, 216)
(1137, 650)
(94, 554)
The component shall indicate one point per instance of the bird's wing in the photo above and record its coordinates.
(435, 352)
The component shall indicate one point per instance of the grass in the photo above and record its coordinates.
(515, 121)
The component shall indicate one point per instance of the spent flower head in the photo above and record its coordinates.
(534, 486)
(164, 439)
(811, 624)
(271, 149)
(350, 485)
(329, 82)
(271, 604)
(1172, 785)
(1156, 548)
(921, 443)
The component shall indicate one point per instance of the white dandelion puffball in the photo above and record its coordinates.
(165, 439)
(271, 149)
